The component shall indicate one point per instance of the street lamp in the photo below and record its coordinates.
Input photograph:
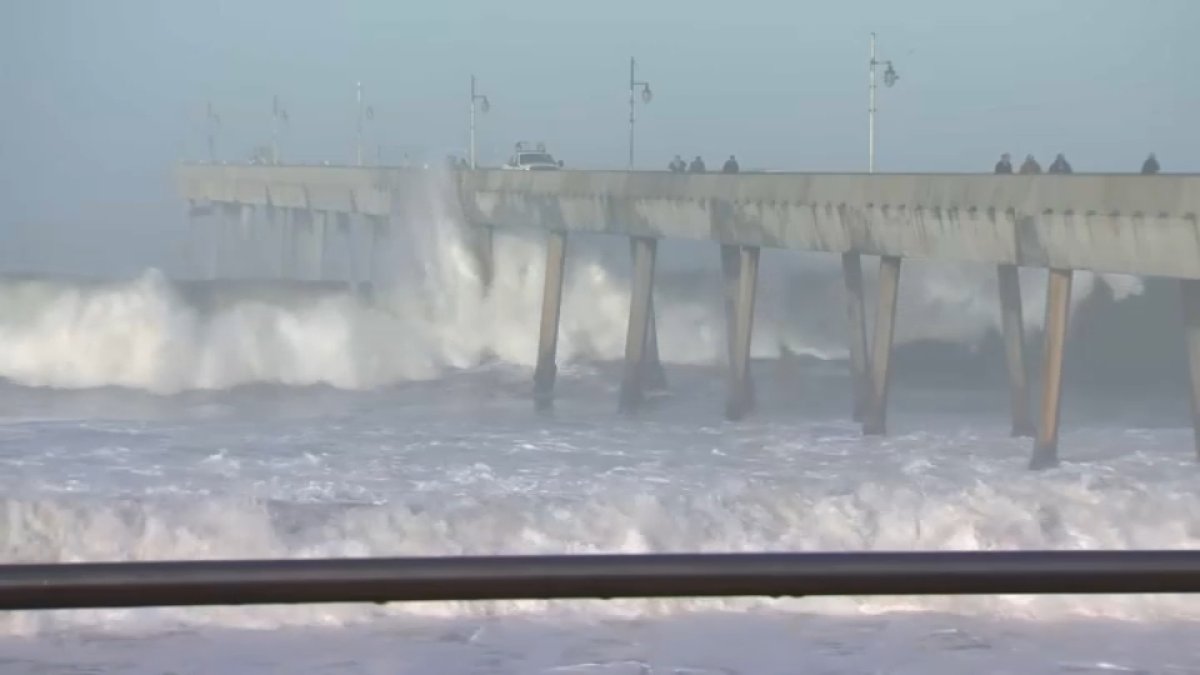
(278, 115)
(646, 97)
(889, 80)
(484, 106)
(213, 122)
(369, 113)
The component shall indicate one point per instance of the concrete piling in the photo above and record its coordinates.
(1058, 307)
(316, 243)
(1190, 297)
(248, 239)
(730, 272)
(345, 227)
(1012, 325)
(547, 365)
(741, 397)
(856, 316)
(481, 241)
(875, 420)
(654, 378)
(376, 230)
(634, 381)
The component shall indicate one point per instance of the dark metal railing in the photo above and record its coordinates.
(243, 582)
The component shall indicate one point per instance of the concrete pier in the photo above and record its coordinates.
(856, 317)
(741, 401)
(1138, 225)
(1058, 307)
(547, 363)
(1189, 290)
(1013, 327)
(634, 381)
(875, 420)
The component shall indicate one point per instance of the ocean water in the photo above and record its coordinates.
(145, 419)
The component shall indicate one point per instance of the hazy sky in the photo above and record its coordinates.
(102, 97)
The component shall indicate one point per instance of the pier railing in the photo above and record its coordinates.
(379, 580)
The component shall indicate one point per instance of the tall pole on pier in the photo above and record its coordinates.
(484, 106)
(213, 122)
(889, 79)
(278, 115)
(646, 96)
(359, 129)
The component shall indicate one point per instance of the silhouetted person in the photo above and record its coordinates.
(731, 165)
(1150, 166)
(1060, 165)
(697, 165)
(1005, 164)
(677, 165)
(1030, 165)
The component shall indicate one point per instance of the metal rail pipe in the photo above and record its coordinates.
(244, 582)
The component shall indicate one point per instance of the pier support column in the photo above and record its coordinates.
(375, 229)
(1058, 307)
(317, 243)
(875, 420)
(741, 395)
(654, 378)
(287, 221)
(730, 272)
(1013, 327)
(856, 315)
(247, 240)
(345, 227)
(1190, 296)
(637, 337)
(480, 239)
(226, 245)
(547, 365)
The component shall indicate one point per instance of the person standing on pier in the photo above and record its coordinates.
(1150, 166)
(731, 165)
(697, 165)
(1030, 165)
(1005, 164)
(1060, 165)
(677, 165)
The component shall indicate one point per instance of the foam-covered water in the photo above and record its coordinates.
(149, 419)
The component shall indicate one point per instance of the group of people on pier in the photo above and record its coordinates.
(1060, 165)
(678, 165)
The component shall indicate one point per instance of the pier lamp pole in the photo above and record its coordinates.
(367, 113)
(279, 115)
(889, 79)
(213, 121)
(484, 106)
(646, 97)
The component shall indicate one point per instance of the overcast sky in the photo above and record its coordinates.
(102, 97)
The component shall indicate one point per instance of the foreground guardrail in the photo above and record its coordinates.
(244, 582)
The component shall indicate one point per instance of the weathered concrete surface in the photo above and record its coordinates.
(1111, 223)
(1013, 328)
(875, 419)
(1058, 307)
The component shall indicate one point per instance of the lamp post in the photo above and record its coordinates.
(278, 115)
(646, 97)
(213, 122)
(889, 79)
(367, 113)
(484, 106)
